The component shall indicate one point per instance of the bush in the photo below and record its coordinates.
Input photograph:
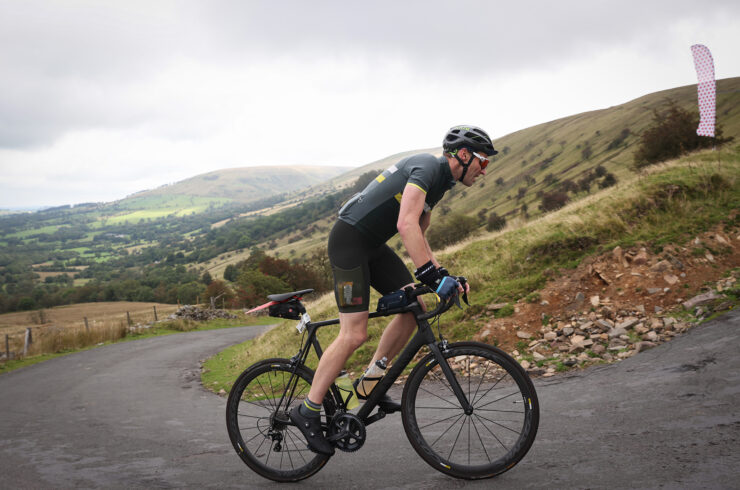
(553, 200)
(672, 134)
(496, 222)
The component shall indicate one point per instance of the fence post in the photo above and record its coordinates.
(87, 326)
(155, 314)
(27, 341)
(128, 318)
(7, 347)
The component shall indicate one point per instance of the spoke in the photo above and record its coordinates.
(448, 428)
(481, 441)
(469, 373)
(256, 451)
(442, 420)
(441, 379)
(258, 405)
(272, 404)
(272, 389)
(494, 435)
(253, 437)
(456, 438)
(443, 408)
(443, 399)
(502, 426)
(468, 440)
(501, 411)
(488, 365)
(251, 416)
(498, 399)
(288, 433)
(492, 387)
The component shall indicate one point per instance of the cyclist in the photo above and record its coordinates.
(399, 200)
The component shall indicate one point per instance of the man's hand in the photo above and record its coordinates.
(439, 280)
(447, 288)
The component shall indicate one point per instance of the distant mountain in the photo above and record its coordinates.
(247, 184)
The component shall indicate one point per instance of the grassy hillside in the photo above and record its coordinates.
(540, 158)
(670, 204)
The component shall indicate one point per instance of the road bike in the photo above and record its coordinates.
(468, 408)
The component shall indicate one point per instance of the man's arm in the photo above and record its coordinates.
(424, 222)
(409, 225)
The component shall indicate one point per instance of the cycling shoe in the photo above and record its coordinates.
(310, 427)
(386, 403)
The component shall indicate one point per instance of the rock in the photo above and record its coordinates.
(669, 321)
(550, 336)
(657, 309)
(594, 300)
(190, 312)
(568, 331)
(670, 279)
(580, 297)
(641, 328)
(656, 324)
(577, 339)
(626, 354)
(598, 349)
(537, 356)
(628, 323)
(544, 302)
(604, 325)
(550, 370)
(641, 346)
(700, 300)
(721, 239)
(640, 309)
(651, 336)
(496, 306)
(525, 364)
(484, 333)
(583, 357)
(661, 266)
(654, 290)
(641, 257)
(616, 344)
(523, 335)
(222, 391)
(709, 257)
(570, 362)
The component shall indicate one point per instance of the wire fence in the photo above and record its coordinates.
(60, 337)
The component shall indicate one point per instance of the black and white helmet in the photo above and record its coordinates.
(470, 137)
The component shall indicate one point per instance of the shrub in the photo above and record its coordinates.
(553, 200)
(496, 222)
(672, 134)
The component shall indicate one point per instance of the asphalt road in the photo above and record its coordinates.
(133, 415)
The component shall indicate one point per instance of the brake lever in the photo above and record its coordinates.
(463, 281)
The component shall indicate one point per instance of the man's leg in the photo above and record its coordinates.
(395, 336)
(352, 334)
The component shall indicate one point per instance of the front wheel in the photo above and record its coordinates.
(485, 442)
(258, 424)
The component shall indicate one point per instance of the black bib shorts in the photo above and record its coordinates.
(358, 265)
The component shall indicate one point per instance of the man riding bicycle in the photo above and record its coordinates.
(399, 200)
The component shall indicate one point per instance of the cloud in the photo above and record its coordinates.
(100, 92)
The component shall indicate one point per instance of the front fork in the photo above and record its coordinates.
(451, 378)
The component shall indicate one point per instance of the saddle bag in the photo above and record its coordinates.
(291, 310)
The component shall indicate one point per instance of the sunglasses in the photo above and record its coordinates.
(483, 160)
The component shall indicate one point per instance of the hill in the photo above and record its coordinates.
(247, 184)
(156, 245)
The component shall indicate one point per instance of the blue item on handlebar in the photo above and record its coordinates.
(447, 287)
(391, 301)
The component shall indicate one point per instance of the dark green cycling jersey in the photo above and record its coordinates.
(374, 211)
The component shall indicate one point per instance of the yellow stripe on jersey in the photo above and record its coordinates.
(418, 187)
(398, 197)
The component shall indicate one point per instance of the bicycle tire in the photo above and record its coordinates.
(490, 440)
(255, 431)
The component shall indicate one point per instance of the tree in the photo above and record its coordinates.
(608, 181)
(206, 278)
(672, 134)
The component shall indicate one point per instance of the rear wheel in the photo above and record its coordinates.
(258, 424)
(485, 442)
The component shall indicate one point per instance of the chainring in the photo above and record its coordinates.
(347, 432)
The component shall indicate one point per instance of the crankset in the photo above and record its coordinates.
(347, 432)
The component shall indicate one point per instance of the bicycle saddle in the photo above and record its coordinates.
(286, 296)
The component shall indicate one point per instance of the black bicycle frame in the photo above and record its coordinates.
(424, 336)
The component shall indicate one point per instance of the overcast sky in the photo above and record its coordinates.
(100, 99)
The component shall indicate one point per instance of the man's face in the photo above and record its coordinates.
(476, 168)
